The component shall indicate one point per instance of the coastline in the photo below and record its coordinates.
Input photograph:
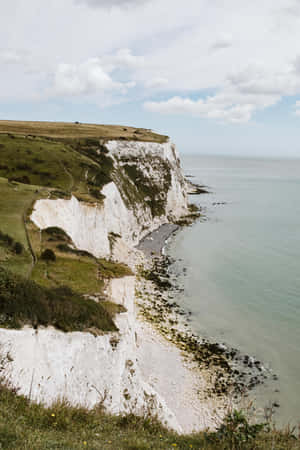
(199, 380)
(165, 364)
(153, 243)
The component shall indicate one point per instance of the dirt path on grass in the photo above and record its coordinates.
(72, 181)
(33, 255)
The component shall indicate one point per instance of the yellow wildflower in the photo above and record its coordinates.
(53, 415)
(84, 443)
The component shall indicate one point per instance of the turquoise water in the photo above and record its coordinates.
(243, 274)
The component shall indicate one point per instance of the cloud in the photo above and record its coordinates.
(256, 79)
(156, 83)
(293, 9)
(229, 48)
(222, 42)
(208, 108)
(242, 94)
(110, 3)
(297, 108)
(123, 59)
(13, 56)
(86, 78)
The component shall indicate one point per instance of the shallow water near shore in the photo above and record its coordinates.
(242, 277)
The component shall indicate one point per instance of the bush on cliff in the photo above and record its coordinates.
(24, 302)
(48, 255)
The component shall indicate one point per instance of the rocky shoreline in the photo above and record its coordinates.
(229, 374)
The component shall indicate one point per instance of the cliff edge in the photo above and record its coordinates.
(89, 201)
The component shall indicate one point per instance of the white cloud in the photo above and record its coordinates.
(208, 108)
(292, 8)
(156, 83)
(13, 56)
(123, 59)
(242, 94)
(84, 79)
(162, 46)
(223, 41)
(110, 3)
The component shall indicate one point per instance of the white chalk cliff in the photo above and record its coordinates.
(123, 214)
(47, 364)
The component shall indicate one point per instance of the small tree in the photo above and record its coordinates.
(48, 255)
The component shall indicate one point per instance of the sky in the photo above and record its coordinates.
(218, 77)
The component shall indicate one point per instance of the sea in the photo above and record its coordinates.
(239, 267)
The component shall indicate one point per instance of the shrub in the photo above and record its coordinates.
(23, 166)
(18, 248)
(65, 248)
(57, 234)
(25, 302)
(48, 255)
(24, 179)
(111, 269)
(6, 239)
(38, 160)
(237, 431)
(97, 194)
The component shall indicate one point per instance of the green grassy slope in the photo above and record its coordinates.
(24, 425)
(15, 200)
(38, 161)
(59, 160)
(63, 130)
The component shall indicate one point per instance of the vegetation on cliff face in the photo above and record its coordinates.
(48, 160)
(138, 186)
(52, 164)
(25, 425)
(24, 302)
(77, 269)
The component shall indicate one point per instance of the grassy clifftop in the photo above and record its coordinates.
(64, 130)
(53, 160)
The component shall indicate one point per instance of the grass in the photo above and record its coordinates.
(15, 200)
(79, 275)
(25, 425)
(65, 130)
(77, 269)
(24, 302)
(40, 162)
(111, 269)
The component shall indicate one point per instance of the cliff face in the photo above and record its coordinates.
(146, 191)
(47, 365)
